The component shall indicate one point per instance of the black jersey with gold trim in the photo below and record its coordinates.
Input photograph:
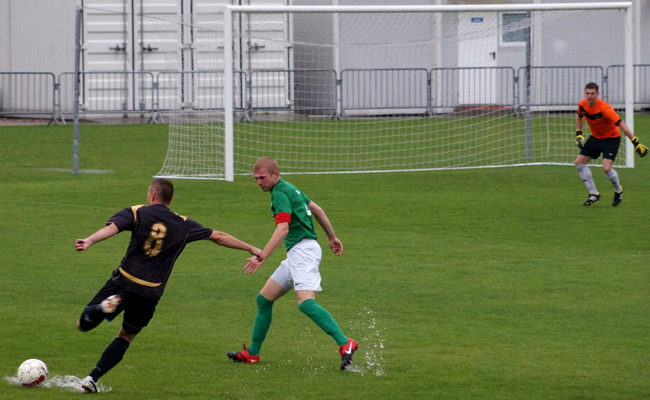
(158, 236)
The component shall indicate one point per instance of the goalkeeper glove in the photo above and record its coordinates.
(641, 150)
(580, 140)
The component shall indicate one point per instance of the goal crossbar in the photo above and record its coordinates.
(433, 8)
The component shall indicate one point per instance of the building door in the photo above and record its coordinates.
(263, 55)
(478, 53)
(107, 55)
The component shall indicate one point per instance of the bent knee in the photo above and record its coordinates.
(79, 326)
(85, 326)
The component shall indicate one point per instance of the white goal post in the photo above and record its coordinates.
(357, 89)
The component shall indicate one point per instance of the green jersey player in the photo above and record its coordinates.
(293, 212)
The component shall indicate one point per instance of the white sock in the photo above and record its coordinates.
(585, 175)
(613, 177)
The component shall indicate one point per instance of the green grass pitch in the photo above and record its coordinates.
(463, 284)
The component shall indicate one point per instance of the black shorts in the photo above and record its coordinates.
(138, 310)
(608, 147)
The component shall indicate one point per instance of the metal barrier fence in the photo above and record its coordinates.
(28, 93)
(559, 87)
(311, 92)
(385, 90)
(615, 87)
(473, 87)
(318, 92)
(108, 92)
(196, 90)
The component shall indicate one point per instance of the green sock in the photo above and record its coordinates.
(262, 324)
(324, 320)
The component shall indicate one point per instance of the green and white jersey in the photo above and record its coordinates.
(289, 202)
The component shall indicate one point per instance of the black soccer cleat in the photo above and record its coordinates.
(618, 196)
(346, 351)
(591, 199)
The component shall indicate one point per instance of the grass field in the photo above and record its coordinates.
(464, 284)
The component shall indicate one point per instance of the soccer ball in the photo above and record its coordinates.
(32, 372)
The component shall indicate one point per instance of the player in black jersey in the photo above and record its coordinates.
(158, 236)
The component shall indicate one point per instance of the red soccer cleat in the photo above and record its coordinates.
(243, 356)
(347, 350)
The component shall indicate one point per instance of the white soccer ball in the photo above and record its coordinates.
(32, 372)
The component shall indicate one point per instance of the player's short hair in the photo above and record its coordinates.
(267, 163)
(592, 85)
(164, 189)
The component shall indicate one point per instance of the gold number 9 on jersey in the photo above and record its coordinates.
(154, 242)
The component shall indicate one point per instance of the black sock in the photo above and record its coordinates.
(110, 358)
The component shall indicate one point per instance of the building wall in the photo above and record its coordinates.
(37, 36)
(642, 19)
(5, 35)
(41, 38)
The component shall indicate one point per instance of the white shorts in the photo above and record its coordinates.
(300, 270)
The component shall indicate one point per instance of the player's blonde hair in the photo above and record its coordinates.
(266, 163)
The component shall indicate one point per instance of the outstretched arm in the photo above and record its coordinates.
(104, 233)
(626, 130)
(281, 231)
(641, 149)
(226, 240)
(324, 222)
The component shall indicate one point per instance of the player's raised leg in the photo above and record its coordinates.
(105, 305)
(138, 311)
(93, 315)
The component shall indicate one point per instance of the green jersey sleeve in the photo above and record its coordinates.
(280, 203)
(286, 198)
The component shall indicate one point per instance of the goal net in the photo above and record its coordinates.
(363, 89)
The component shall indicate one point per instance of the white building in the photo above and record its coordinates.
(120, 36)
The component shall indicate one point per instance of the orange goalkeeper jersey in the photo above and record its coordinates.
(602, 119)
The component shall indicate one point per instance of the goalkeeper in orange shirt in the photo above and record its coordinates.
(605, 138)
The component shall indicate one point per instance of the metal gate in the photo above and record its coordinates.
(27, 93)
(106, 92)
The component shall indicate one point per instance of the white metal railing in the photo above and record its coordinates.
(349, 92)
